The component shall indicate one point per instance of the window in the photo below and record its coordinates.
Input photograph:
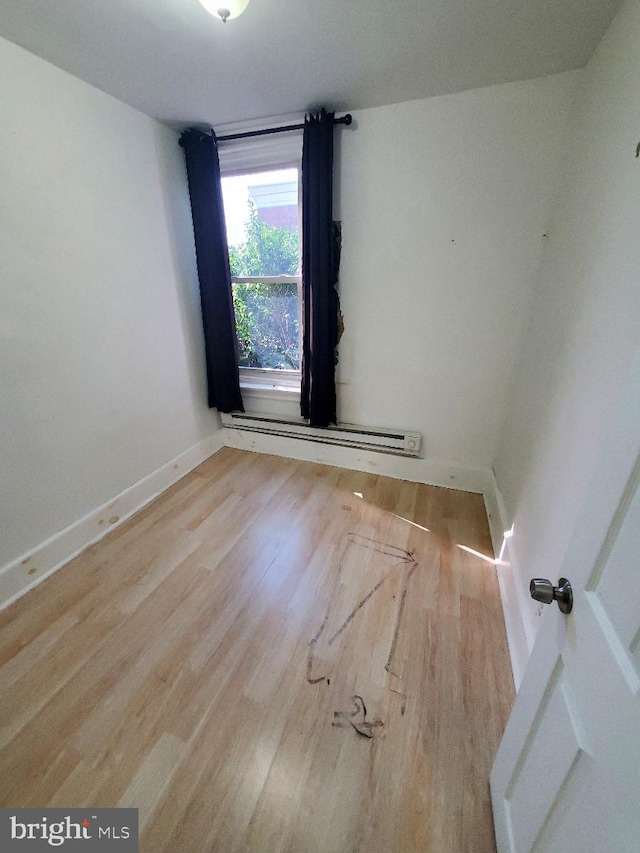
(262, 213)
(261, 191)
(261, 195)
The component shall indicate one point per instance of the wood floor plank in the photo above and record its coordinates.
(272, 656)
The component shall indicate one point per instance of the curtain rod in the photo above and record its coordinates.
(344, 120)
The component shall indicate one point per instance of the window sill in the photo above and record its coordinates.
(270, 384)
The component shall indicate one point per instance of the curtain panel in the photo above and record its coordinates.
(320, 260)
(212, 255)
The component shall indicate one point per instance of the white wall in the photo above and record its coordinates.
(444, 203)
(585, 325)
(101, 378)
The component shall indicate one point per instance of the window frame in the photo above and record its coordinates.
(265, 376)
(269, 154)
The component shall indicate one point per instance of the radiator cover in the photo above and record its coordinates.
(398, 442)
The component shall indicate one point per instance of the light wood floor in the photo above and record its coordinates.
(273, 656)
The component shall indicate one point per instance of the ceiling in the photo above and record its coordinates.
(175, 62)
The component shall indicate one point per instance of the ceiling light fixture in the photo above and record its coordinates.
(225, 9)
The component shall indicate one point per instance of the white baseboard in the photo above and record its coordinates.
(28, 570)
(508, 581)
(434, 473)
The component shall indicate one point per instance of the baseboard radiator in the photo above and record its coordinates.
(348, 435)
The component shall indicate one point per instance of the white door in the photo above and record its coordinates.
(567, 773)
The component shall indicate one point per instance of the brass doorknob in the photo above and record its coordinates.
(544, 591)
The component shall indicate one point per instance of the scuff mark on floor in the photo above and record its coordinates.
(312, 645)
(358, 606)
(403, 601)
(381, 547)
(403, 696)
(357, 718)
(401, 557)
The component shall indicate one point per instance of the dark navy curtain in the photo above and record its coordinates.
(212, 254)
(320, 259)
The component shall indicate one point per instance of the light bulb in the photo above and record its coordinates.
(225, 9)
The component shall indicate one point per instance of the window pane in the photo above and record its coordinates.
(267, 324)
(261, 212)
